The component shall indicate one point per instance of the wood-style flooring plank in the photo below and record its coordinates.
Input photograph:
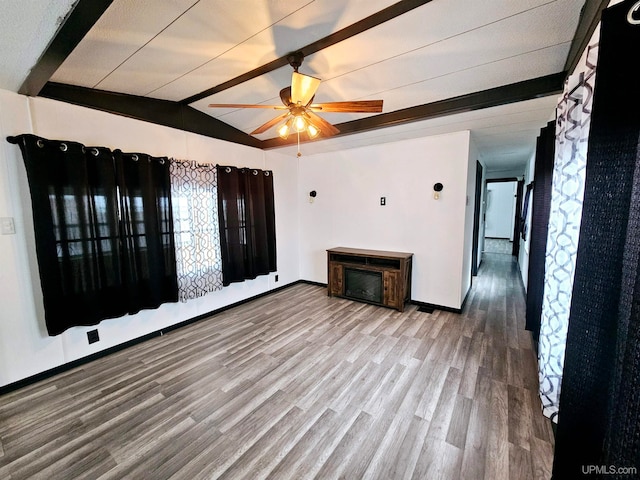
(541, 458)
(358, 464)
(520, 463)
(299, 385)
(438, 460)
(459, 424)
(520, 413)
(497, 454)
(269, 450)
(475, 448)
(399, 458)
(232, 444)
(332, 465)
(330, 427)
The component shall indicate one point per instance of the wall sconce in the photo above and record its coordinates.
(437, 188)
(312, 195)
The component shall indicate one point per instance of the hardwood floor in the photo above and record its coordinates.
(299, 385)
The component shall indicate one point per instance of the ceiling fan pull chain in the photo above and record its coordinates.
(299, 153)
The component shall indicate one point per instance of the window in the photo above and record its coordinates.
(103, 231)
(197, 236)
(247, 223)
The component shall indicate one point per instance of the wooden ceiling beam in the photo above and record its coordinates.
(73, 29)
(183, 117)
(161, 112)
(513, 93)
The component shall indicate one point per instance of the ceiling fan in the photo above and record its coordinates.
(300, 115)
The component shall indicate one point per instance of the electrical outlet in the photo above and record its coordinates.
(92, 336)
(383, 201)
(276, 278)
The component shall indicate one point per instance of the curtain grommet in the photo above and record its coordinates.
(162, 161)
(134, 158)
(255, 172)
(227, 170)
(95, 152)
(40, 143)
(63, 147)
(267, 173)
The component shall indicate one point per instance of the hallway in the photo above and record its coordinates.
(300, 385)
(498, 245)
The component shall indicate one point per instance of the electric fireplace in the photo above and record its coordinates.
(363, 285)
(372, 276)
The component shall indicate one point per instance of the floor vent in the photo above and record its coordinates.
(426, 309)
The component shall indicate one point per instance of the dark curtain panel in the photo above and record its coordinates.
(94, 265)
(149, 264)
(524, 232)
(75, 214)
(541, 205)
(517, 224)
(247, 223)
(599, 417)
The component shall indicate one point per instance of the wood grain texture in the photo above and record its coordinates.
(298, 385)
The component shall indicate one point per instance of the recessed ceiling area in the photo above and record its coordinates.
(494, 68)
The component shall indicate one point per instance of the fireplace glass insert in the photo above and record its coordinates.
(363, 285)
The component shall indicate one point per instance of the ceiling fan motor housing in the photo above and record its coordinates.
(295, 60)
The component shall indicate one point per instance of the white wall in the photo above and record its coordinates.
(467, 255)
(523, 256)
(473, 152)
(500, 209)
(483, 215)
(25, 347)
(347, 210)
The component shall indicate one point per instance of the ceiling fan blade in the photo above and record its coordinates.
(266, 126)
(303, 88)
(325, 127)
(361, 106)
(245, 105)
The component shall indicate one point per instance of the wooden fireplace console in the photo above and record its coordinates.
(386, 276)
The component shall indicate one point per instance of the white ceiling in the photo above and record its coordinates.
(174, 49)
(26, 27)
(504, 135)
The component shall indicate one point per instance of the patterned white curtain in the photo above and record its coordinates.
(194, 198)
(572, 132)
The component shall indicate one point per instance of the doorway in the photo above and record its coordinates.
(477, 215)
(502, 223)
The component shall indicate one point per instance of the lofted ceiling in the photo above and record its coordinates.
(494, 67)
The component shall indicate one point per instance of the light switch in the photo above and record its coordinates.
(7, 227)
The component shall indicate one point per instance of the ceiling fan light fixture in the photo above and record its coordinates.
(285, 129)
(313, 131)
(299, 123)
